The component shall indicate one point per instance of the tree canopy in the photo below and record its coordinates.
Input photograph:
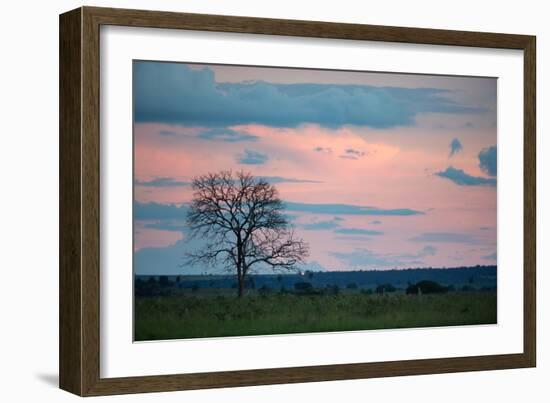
(241, 219)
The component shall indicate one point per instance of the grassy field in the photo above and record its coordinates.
(206, 315)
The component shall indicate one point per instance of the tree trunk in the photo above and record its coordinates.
(241, 286)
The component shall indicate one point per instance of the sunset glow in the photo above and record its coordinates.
(378, 171)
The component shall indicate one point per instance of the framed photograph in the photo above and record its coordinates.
(249, 201)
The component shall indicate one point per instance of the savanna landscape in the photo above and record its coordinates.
(279, 201)
(177, 307)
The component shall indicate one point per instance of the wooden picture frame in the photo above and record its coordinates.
(79, 278)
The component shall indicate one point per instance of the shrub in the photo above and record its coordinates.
(412, 289)
(382, 288)
(426, 287)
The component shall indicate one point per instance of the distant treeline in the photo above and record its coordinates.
(373, 281)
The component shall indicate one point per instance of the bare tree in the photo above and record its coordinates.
(241, 218)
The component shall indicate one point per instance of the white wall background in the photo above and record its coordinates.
(29, 206)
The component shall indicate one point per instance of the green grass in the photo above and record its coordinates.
(206, 315)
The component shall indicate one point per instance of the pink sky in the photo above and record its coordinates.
(387, 167)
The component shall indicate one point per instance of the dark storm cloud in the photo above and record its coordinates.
(174, 93)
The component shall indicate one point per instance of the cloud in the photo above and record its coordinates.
(167, 133)
(334, 224)
(352, 154)
(291, 217)
(158, 211)
(321, 225)
(455, 146)
(488, 160)
(445, 237)
(348, 209)
(226, 135)
(252, 158)
(280, 179)
(492, 256)
(362, 257)
(461, 178)
(161, 182)
(324, 150)
(160, 260)
(357, 231)
(172, 182)
(376, 222)
(171, 260)
(365, 257)
(167, 225)
(174, 93)
(428, 250)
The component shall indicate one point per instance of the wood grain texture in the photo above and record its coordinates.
(316, 29)
(530, 202)
(70, 275)
(80, 201)
(90, 203)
